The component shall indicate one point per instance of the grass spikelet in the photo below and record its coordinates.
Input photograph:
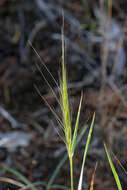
(65, 104)
(66, 112)
(70, 136)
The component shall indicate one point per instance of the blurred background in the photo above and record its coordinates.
(95, 35)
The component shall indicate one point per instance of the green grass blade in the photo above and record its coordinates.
(85, 153)
(21, 177)
(54, 175)
(76, 126)
(56, 172)
(80, 135)
(113, 169)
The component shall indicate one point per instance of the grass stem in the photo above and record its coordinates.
(71, 172)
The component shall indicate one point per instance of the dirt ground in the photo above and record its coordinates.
(96, 45)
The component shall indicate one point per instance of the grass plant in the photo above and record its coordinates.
(71, 137)
(70, 134)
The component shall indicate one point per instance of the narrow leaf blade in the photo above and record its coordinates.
(85, 153)
(113, 169)
(76, 126)
(21, 177)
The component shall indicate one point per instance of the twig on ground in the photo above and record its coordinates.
(11, 181)
(39, 26)
(15, 124)
(22, 28)
(120, 57)
(117, 92)
(46, 9)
